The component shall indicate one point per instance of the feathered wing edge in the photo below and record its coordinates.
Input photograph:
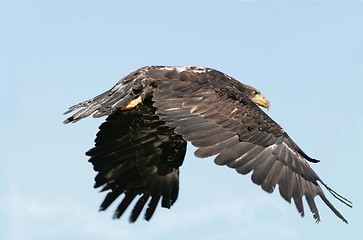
(127, 89)
(137, 157)
(337, 196)
(241, 141)
(107, 102)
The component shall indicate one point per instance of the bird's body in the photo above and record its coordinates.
(155, 110)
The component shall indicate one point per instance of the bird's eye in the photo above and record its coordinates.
(255, 92)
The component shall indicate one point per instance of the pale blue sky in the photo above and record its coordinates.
(305, 56)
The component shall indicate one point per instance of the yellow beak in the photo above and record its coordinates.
(260, 100)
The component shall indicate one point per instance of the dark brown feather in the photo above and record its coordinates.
(138, 152)
(137, 155)
(263, 146)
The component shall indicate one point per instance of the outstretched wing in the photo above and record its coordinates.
(137, 156)
(222, 121)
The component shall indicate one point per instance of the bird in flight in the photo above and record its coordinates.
(154, 111)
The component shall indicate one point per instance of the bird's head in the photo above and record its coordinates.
(256, 96)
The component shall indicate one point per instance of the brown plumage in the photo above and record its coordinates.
(155, 110)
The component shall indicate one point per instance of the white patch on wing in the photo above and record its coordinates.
(181, 68)
(199, 69)
(166, 68)
(229, 77)
(273, 146)
(172, 109)
(191, 68)
(193, 109)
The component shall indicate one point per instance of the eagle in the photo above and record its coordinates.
(154, 111)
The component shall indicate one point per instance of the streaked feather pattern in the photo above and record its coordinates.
(138, 151)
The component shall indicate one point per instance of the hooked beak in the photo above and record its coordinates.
(260, 100)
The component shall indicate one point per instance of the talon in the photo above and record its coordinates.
(132, 103)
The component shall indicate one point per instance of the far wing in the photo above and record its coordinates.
(127, 89)
(221, 121)
(137, 157)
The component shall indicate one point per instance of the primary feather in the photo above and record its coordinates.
(155, 110)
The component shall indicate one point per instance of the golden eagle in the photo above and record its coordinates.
(155, 110)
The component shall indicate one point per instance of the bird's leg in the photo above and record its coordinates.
(132, 103)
